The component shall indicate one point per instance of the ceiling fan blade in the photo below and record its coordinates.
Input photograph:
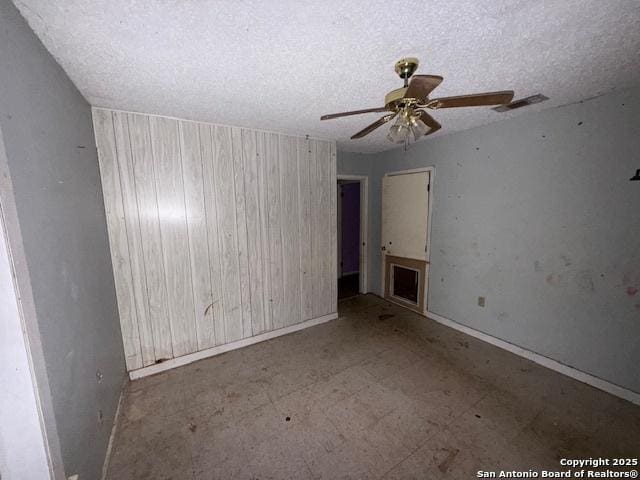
(429, 121)
(474, 100)
(373, 126)
(421, 86)
(354, 112)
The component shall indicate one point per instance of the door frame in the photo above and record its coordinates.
(364, 228)
(432, 174)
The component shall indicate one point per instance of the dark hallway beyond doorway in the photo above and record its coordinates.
(348, 238)
(348, 286)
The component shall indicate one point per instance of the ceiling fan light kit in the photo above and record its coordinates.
(407, 124)
(418, 128)
(398, 133)
(408, 104)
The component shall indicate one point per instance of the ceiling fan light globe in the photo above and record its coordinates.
(398, 133)
(418, 128)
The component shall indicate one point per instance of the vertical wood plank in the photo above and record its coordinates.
(316, 226)
(197, 234)
(116, 226)
(275, 234)
(263, 175)
(304, 224)
(324, 229)
(144, 180)
(290, 231)
(213, 234)
(333, 229)
(241, 228)
(131, 215)
(225, 195)
(254, 232)
(173, 229)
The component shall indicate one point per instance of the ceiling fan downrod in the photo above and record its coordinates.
(405, 67)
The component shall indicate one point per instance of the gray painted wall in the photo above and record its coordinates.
(538, 215)
(52, 161)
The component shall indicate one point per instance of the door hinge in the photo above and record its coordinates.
(428, 187)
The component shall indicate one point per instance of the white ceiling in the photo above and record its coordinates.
(279, 65)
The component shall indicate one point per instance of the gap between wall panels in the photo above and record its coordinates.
(217, 234)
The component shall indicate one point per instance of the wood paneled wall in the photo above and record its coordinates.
(217, 233)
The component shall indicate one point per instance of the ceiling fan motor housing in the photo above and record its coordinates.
(394, 97)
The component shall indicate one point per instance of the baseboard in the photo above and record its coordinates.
(613, 389)
(227, 347)
(114, 428)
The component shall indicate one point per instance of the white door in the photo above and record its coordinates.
(405, 214)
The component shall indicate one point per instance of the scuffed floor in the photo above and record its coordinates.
(379, 393)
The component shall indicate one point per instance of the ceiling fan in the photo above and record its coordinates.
(408, 104)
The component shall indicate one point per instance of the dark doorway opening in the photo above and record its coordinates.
(348, 238)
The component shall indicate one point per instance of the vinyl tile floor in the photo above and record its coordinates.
(379, 393)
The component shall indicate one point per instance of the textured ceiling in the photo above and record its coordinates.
(279, 65)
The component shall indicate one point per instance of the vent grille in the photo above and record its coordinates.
(523, 102)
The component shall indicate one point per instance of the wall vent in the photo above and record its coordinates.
(523, 102)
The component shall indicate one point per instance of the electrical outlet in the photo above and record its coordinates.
(481, 301)
(73, 477)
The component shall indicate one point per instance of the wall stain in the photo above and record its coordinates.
(554, 279)
(631, 291)
(585, 281)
